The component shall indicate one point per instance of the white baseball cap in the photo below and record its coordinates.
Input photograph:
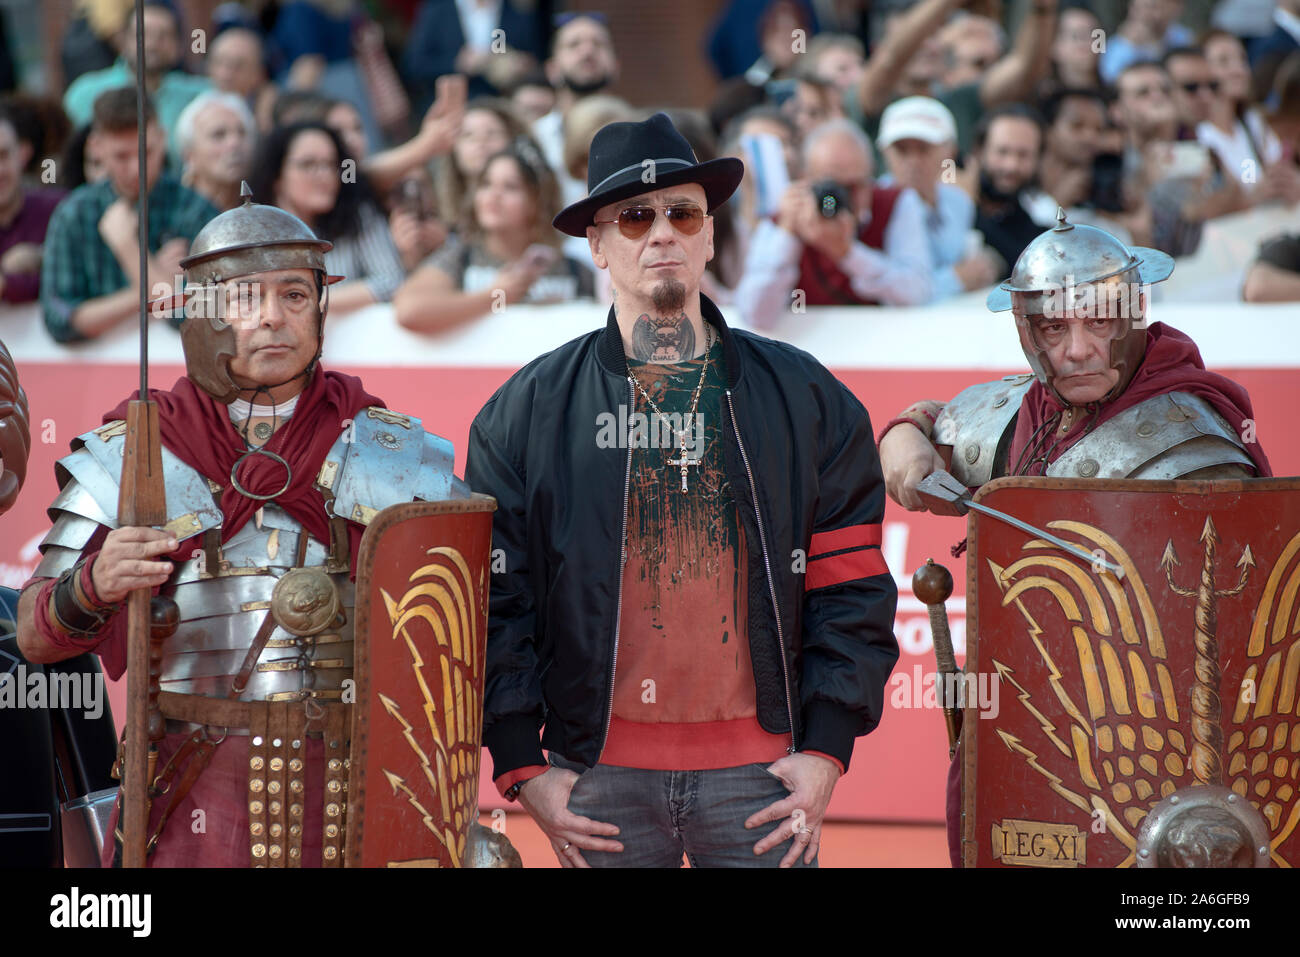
(916, 118)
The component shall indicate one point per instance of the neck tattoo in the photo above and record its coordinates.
(663, 338)
(684, 460)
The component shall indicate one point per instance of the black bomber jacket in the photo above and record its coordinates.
(807, 484)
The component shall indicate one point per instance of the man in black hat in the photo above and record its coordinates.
(689, 594)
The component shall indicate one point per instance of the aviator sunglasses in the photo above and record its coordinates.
(635, 221)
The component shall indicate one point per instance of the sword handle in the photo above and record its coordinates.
(932, 584)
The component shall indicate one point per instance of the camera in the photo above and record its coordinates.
(832, 198)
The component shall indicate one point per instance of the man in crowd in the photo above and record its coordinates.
(582, 62)
(918, 137)
(216, 134)
(1149, 29)
(91, 271)
(1098, 370)
(24, 217)
(171, 89)
(1078, 172)
(267, 783)
(1194, 88)
(971, 44)
(823, 251)
(1008, 148)
(1013, 77)
(699, 692)
(237, 64)
(837, 59)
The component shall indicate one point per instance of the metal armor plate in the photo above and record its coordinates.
(976, 424)
(417, 722)
(1165, 437)
(1093, 702)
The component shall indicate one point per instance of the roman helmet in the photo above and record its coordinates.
(251, 238)
(1073, 267)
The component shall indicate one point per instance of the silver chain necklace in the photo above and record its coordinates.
(685, 461)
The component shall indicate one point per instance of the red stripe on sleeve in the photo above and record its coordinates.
(851, 536)
(845, 568)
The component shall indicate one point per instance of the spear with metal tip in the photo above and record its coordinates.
(142, 503)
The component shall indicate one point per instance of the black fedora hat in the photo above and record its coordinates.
(628, 159)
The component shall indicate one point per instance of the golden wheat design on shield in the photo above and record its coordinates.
(437, 619)
(1105, 716)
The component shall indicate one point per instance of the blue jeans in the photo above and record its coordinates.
(662, 814)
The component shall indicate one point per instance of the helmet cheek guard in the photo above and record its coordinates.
(251, 238)
(1073, 267)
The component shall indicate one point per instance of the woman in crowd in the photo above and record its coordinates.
(506, 251)
(1237, 132)
(1075, 58)
(304, 168)
(487, 127)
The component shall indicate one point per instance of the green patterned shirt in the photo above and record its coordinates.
(79, 266)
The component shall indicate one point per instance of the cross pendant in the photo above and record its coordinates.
(685, 461)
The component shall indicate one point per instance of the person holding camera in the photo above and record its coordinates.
(837, 239)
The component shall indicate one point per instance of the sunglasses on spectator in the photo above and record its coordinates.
(635, 221)
(1195, 87)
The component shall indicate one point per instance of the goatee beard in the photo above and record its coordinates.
(579, 88)
(991, 192)
(669, 297)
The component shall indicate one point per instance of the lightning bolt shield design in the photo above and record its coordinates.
(418, 716)
(1117, 693)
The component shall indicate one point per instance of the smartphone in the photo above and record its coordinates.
(765, 162)
(452, 89)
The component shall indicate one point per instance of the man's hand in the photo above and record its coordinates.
(798, 214)
(834, 236)
(977, 271)
(796, 208)
(415, 236)
(906, 457)
(22, 257)
(546, 799)
(810, 780)
(518, 277)
(126, 562)
(442, 120)
(117, 227)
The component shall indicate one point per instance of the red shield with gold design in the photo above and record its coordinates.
(421, 635)
(1091, 697)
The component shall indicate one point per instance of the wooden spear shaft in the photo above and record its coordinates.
(141, 502)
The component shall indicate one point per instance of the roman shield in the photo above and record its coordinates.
(1148, 719)
(421, 635)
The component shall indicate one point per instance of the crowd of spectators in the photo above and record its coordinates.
(896, 153)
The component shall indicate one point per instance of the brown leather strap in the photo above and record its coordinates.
(202, 747)
(212, 547)
(254, 652)
(276, 792)
(297, 799)
(257, 797)
(214, 712)
(337, 725)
